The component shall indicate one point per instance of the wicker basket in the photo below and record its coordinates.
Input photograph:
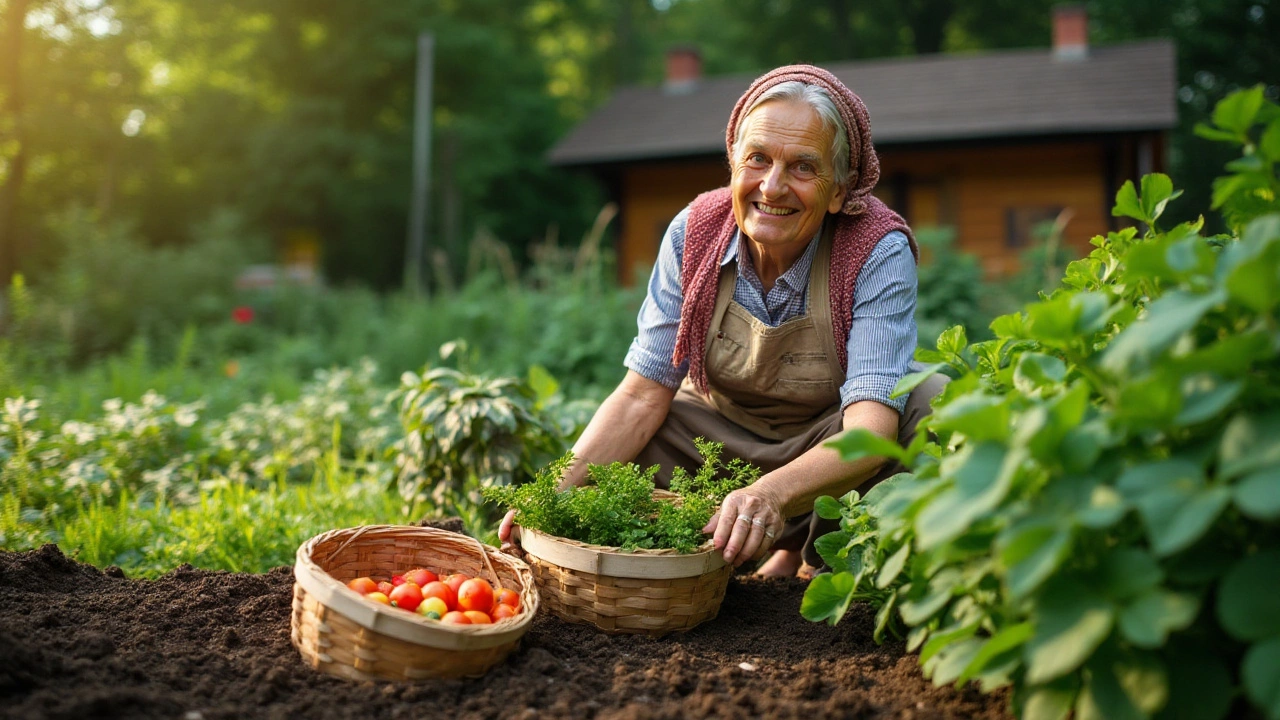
(341, 633)
(652, 592)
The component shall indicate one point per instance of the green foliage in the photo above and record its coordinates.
(1096, 523)
(465, 432)
(617, 506)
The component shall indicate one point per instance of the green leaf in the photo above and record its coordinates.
(953, 340)
(1204, 397)
(858, 443)
(893, 566)
(1258, 495)
(1269, 142)
(936, 596)
(978, 415)
(982, 476)
(1261, 674)
(1052, 701)
(1157, 191)
(1252, 266)
(1176, 505)
(1148, 620)
(1167, 319)
(1071, 622)
(1106, 508)
(1249, 443)
(1008, 638)
(944, 637)
(1036, 370)
(1083, 444)
(830, 546)
(1053, 322)
(913, 380)
(954, 659)
(828, 508)
(883, 617)
(1030, 553)
(1236, 112)
(1123, 688)
(1210, 133)
(1129, 572)
(827, 597)
(1127, 204)
(1013, 325)
(1249, 597)
(544, 385)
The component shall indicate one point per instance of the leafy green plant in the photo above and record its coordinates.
(464, 432)
(617, 508)
(1097, 523)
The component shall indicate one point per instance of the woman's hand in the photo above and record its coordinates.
(504, 530)
(748, 521)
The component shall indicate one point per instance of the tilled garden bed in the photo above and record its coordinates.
(77, 642)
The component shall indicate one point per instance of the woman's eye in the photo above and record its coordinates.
(805, 168)
(756, 159)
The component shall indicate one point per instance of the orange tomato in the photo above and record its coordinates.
(478, 618)
(438, 589)
(476, 594)
(363, 585)
(385, 587)
(420, 577)
(455, 580)
(456, 618)
(379, 597)
(507, 596)
(502, 611)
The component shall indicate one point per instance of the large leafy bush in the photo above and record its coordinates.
(1098, 521)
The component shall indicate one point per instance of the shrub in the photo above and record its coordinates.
(1097, 522)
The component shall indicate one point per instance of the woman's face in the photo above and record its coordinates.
(783, 181)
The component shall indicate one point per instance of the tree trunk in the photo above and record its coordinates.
(843, 32)
(928, 19)
(11, 114)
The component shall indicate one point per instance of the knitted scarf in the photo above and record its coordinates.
(862, 222)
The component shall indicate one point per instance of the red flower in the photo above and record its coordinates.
(242, 314)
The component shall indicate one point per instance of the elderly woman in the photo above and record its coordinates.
(779, 315)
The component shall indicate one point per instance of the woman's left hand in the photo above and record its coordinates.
(747, 524)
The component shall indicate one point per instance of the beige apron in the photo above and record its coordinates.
(775, 393)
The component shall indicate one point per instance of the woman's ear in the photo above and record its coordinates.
(837, 199)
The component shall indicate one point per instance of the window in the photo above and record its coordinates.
(1026, 225)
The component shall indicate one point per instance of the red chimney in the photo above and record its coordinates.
(1070, 32)
(684, 69)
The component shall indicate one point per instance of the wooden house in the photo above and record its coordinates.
(990, 144)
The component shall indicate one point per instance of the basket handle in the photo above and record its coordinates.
(359, 531)
(497, 581)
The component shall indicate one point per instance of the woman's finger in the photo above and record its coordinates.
(728, 518)
(753, 544)
(738, 537)
(504, 528)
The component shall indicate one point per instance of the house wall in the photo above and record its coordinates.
(992, 195)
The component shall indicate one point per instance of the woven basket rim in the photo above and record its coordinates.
(609, 561)
(412, 627)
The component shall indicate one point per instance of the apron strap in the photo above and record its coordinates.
(820, 302)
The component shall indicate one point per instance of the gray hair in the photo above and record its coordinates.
(818, 99)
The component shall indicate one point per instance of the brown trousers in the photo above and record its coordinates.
(692, 416)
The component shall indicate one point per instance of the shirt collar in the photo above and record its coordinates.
(796, 276)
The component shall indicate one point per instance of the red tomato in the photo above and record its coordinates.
(407, 596)
(379, 597)
(438, 589)
(363, 585)
(502, 611)
(420, 577)
(385, 587)
(476, 594)
(478, 618)
(507, 596)
(455, 581)
(397, 580)
(456, 618)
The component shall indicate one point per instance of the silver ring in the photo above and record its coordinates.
(768, 534)
(744, 518)
(758, 522)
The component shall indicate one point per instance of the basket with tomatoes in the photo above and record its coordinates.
(391, 602)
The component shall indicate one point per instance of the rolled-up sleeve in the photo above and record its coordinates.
(882, 338)
(650, 352)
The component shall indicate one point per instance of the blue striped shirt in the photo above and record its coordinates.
(881, 340)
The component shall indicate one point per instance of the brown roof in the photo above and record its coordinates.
(919, 99)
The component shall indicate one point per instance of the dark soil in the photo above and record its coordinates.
(77, 642)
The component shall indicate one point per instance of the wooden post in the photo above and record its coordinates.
(416, 245)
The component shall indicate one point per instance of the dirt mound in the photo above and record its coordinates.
(76, 642)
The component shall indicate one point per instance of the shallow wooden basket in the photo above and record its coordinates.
(341, 633)
(651, 592)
